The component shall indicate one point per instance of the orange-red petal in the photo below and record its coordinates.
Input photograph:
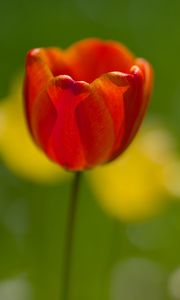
(91, 58)
(41, 66)
(100, 116)
(62, 141)
(136, 100)
(135, 110)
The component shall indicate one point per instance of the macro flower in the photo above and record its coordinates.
(17, 149)
(135, 187)
(85, 104)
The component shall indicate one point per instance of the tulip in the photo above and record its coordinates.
(85, 104)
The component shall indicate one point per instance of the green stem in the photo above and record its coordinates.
(70, 236)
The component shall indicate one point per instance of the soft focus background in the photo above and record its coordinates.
(127, 243)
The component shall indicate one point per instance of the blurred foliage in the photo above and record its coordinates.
(32, 215)
(136, 185)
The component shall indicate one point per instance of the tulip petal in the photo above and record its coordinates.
(43, 119)
(41, 66)
(55, 60)
(95, 128)
(133, 99)
(91, 58)
(147, 70)
(64, 145)
(136, 101)
(142, 73)
(100, 116)
(37, 76)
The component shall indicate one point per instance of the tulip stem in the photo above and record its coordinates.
(70, 236)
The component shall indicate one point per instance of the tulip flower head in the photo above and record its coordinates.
(85, 104)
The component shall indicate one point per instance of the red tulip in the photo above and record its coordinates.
(85, 104)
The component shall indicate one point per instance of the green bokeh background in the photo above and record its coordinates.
(32, 216)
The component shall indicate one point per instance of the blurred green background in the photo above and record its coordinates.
(111, 260)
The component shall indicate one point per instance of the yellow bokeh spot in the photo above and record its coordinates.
(135, 185)
(17, 148)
